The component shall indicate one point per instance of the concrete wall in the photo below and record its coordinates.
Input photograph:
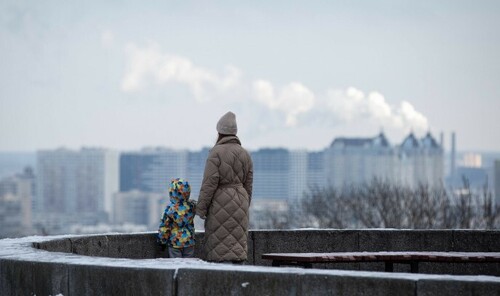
(144, 245)
(67, 269)
(382, 240)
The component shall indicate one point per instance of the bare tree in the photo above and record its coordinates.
(324, 208)
(380, 204)
(490, 212)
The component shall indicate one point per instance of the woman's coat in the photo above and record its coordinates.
(224, 200)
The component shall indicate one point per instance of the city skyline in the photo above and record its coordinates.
(296, 75)
(446, 145)
(107, 186)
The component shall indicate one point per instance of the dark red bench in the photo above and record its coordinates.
(413, 258)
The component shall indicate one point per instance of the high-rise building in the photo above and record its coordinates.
(410, 161)
(195, 170)
(74, 187)
(281, 174)
(297, 174)
(421, 162)
(16, 193)
(358, 160)
(354, 161)
(145, 177)
(496, 180)
(315, 171)
(433, 161)
(453, 157)
(150, 170)
(271, 173)
(139, 208)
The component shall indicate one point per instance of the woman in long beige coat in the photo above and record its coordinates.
(225, 195)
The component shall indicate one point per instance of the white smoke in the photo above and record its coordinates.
(408, 116)
(293, 99)
(149, 66)
(353, 105)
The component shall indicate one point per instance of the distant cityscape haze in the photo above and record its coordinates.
(125, 191)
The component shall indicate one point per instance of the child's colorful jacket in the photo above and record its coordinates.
(177, 223)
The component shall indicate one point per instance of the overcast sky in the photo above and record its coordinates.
(129, 74)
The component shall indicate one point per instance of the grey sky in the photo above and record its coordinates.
(130, 74)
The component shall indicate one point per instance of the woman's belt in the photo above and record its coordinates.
(237, 185)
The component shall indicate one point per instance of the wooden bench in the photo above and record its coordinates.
(413, 258)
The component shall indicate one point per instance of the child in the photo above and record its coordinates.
(176, 229)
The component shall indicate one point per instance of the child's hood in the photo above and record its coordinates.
(179, 190)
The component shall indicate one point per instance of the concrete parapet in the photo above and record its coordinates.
(16, 277)
(476, 241)
(321, 284)
(134, 246)
(50, 278)
(143, 245)
(113, 280)
(269, 281)
(90, 246)
(57, 245)
(133, 264)
(467, 287)
(405, 240)
(290, 241)
(235, 282)
(274, 241)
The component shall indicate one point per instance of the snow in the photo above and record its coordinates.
(21, 249)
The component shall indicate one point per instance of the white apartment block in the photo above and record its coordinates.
(139, 208)
(16, 193)
(75, 186)
(354, 161)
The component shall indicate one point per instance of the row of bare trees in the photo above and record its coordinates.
(380, 204)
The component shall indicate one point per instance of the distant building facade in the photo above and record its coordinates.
(195, 169)
(496, 180)
(16, 194)
(420, 162)
(298, 166)
(74, 187)
(315, 178)
(271, 169)
(354, 161)
(279, 173)
(151, 169)
(97, 183)
(139, 208)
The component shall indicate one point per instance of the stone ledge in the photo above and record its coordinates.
(28, 270)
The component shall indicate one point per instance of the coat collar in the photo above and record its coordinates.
(229, 139)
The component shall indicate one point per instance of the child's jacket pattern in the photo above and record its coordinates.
(177, 223)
